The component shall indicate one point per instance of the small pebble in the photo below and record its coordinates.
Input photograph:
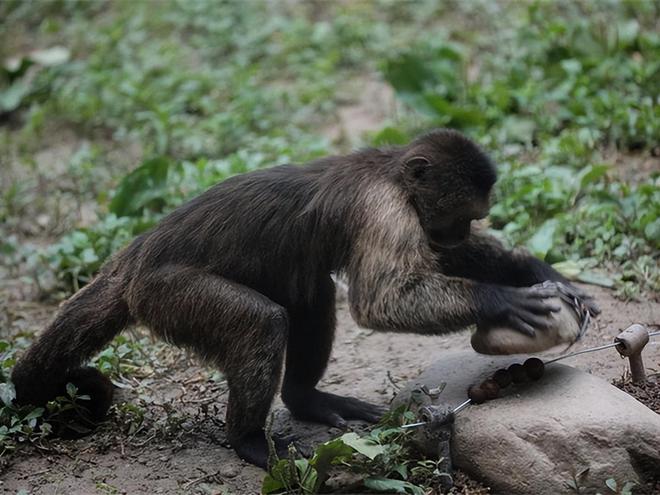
(228, 471)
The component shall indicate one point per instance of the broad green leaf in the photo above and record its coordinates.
(36, 413)
(463, 115)
(71, 390)
(272, 485)
(51, 56)
(652, 231)
(278, 477)
(543, 240)
(408, 73)
(363, 445)
(569, 268)
(7, 393)
(326, 454)
(591, 174)
(307, 474)
(392, 486)
(611, 484)
(12, 97)
(390, 135)
(595, 278)
(143, 185)
(627, 488)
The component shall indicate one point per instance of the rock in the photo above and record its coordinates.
(228, 471)
(539, 436)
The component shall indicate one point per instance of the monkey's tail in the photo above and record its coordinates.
(83, 326)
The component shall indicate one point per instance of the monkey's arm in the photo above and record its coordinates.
(482, 257)
(394, 284)
(429, 302)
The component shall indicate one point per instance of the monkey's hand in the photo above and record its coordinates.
(582, 297)
(524, 309)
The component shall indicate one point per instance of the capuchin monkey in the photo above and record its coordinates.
(241, 275)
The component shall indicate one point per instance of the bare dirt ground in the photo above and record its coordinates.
(179, 447)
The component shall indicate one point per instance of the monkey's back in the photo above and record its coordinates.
(256, 229)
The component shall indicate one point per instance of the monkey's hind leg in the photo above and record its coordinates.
(84, 324)
(232, 326)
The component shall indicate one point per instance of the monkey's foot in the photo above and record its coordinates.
(253, 448)
(331, 409)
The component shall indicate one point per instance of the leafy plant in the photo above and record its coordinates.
(123, 357)
(383, 460)
(625, 489)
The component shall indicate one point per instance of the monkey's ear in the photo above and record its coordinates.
(417, 166)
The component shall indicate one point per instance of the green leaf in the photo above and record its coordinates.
(36, 413)
(627, 488)
(380, 484)
(569, 268)
(71, 390)
(611, 484)
(7, 393)
(541, 242)
(390, 135)
(408, 74)
(142, 186)
(326, 454)
(591, 174)
(307, 474)
(12, 97)
(51, 56)
(271, 485)
(280, 478)
(363, 445)
(463, 115)
(652, 230)
(595, 278)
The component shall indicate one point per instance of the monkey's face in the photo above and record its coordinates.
(449, 182)
(446, 233)
(447, 216)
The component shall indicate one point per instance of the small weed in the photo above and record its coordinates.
(625, 489)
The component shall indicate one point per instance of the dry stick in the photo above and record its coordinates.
(466, 403)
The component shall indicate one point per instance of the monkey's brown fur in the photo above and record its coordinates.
(241, 275)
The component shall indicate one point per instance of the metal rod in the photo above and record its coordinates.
(583, 351)
(461, 406)
(414, 425)
(456, 410)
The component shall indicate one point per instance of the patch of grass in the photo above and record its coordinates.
(67, 413)
(33, 425)
(563, 87)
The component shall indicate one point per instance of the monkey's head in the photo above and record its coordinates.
(449, 180)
